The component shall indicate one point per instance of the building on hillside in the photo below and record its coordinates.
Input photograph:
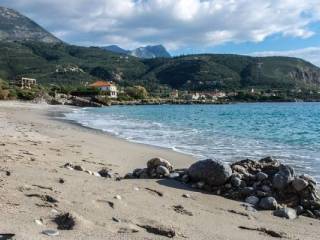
(26, 83)
(107, 87)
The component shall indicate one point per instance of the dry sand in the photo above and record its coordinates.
(34, 146)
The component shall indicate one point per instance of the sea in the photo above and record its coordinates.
(289, 132)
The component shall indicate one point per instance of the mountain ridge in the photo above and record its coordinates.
(17, 27)
(147, 52)
(33, 52)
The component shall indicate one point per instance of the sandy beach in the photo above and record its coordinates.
(34, 148)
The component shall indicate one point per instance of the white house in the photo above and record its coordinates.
(108, 87)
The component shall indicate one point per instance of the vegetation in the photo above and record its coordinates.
(66, 67)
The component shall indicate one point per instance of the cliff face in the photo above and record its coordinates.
(16, 27)
(306, 75)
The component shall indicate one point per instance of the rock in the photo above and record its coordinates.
(262, 194)
(105, 172)
(174, 175)
(210, 171)
(118, 197)
(61, 180)
(78, 168)
(96, 174)
(299, 210)
(162, 170)
(39, 222)
(65, 221)
(261, 176)
(235, 181)
(308, 178)
(116, 219)
(185, 178)
(266, 188)
(286, 212)
(50, 232)
(186, 195)
(137, 172)
(252, 200)
(268, 203)
(200, 185)
(299, 184)
(283, 177)
(155, 162)
(239, 169)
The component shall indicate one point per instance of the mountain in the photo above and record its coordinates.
(16, 27)
(28, 50)
(116, 49)
(150, 52)
(157, 51)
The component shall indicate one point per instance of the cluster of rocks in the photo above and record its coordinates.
(265, 184)
(104, 172)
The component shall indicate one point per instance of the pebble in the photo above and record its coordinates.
(96, 174)
(39, 222)
(50, 232)
(118, 197)
(186, 195)
(136, 188)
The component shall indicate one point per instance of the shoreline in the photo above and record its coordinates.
(34, 149)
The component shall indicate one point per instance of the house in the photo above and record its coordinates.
(108, 87)
(27, 83)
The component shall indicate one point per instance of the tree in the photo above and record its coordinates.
(137, 92)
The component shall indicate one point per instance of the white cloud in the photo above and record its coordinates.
(175, 23)
(311, 54)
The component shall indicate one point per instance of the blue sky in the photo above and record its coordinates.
(260, 27)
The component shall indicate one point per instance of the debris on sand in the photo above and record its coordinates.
(65, 221)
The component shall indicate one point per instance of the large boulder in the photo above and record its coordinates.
(212, 172)
(283, 177)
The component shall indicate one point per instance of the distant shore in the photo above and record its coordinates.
(35, 147)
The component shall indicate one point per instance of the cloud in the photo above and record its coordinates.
(175, 23)
(311, 54)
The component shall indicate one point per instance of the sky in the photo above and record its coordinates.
(254, 27)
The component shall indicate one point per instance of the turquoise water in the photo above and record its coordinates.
(288, 131)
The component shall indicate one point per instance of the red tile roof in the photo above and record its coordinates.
(101, 84)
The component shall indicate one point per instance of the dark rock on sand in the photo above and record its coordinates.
(286, 212)
(212, 172)
(268, 203)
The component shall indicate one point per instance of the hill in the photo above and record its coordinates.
(29, 50)
(223, 71)
(17, 27)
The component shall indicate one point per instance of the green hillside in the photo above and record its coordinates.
(73, 65)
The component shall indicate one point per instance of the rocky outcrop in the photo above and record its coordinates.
(265, 184)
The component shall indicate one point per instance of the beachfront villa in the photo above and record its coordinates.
(107, 87)
(27, 82)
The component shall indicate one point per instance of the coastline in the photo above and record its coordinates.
(36, 146)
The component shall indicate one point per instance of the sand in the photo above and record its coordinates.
(34, 147)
